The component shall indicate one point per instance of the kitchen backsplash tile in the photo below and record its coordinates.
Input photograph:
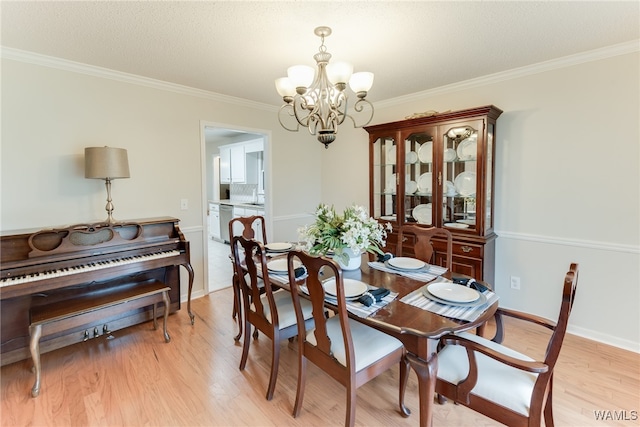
(245, 193)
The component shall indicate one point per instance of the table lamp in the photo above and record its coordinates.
(106, 163)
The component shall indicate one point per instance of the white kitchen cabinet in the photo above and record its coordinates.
(214, 221)
(238, 211)
(238, 165)
(225, 165)
(242, 163)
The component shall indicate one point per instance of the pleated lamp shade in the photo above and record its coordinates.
(106, 162)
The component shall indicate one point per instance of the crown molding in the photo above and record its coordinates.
(541, 67)
(77, 67)
(91, 70)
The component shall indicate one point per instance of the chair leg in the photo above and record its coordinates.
(404, 379)
(245, 347)
(302, 372)
(275, 359)
(548, 407)
(237, 306)
(351, 406)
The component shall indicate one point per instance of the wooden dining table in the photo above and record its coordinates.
(414, 326)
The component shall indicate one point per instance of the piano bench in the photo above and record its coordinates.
(64, 315)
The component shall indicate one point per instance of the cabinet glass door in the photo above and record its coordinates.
(419, 177)
(459, 170)
(488, 204)
(385, 179)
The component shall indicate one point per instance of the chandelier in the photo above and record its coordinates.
(317, 100)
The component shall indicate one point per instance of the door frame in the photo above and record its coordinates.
(266, 134)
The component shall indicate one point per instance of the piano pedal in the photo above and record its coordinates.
(86, 336)
(107, 332)
(96, 332)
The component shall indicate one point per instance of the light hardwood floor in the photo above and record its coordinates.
(137, 379)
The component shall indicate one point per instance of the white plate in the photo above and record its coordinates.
(389, 217)
(410, 187)
(391, 184)
(279, 266)
(422, 213)
(449, 189)
(411, 157)
(468, 149)
(425, 152)
(456, 225)
(406, 263)
(466, 183)
(352, 288)
(480, 301)
(449, 155)
(453, 292)
(278, 247)
(467, 221)
(391, 156)
(424, 183)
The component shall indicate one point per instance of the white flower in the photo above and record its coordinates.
(353, 229)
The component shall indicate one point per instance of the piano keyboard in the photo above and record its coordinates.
(9, 281)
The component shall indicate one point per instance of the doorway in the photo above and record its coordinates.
(218, 271)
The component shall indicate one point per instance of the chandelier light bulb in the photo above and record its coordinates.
(361, 82)
(285, 88)
(339, 72)
(301, 75)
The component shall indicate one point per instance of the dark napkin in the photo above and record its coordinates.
(470, 283)
(385, 257)
(300, 272)
(374, 295)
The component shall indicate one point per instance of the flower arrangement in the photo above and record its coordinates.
(354, 229)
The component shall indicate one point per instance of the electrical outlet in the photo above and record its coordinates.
(515, 282)
(184, 204)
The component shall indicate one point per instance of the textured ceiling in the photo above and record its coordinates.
(238, 48)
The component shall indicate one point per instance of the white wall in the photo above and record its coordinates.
(50, 113)
(567, 185)
(567, 170)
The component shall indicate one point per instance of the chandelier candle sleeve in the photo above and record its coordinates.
(317, 99)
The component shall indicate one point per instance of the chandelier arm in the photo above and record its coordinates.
(288, 113)
(301, 110)
(359, 107)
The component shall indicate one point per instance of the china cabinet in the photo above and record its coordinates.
(439, 171)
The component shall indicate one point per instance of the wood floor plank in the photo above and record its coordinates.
(137, 379)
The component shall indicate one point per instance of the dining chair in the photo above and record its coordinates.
(269, 311)
(349, 351)
(247, 227)
(499, 382)
(421, 239)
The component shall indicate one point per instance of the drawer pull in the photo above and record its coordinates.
(404, 239)
(466, 249)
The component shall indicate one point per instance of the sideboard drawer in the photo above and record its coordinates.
(467, 250)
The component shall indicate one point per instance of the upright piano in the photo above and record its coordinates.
(61, 264)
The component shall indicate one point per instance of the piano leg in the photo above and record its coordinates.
(167, 302)
(190, 271)
(35, 331)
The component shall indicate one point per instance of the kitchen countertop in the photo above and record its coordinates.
(237, 203)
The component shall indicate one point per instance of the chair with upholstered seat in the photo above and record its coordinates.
(423, 244)
(349, 351)
(270, 312)
(499, 382)
(250, 227)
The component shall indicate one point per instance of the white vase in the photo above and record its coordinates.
(354, 260)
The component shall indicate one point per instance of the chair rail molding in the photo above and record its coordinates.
(587, 244)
